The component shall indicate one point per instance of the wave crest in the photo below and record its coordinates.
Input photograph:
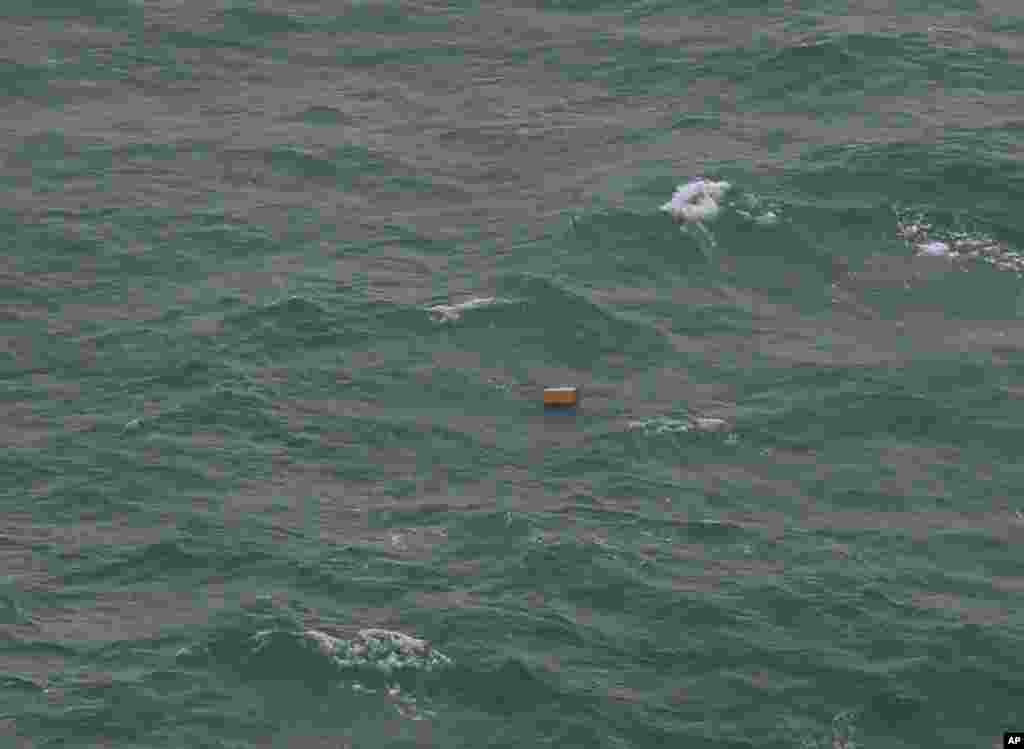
(381, 649)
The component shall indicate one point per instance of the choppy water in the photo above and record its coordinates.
(281, 287)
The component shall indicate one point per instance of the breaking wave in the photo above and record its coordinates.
(927, 239)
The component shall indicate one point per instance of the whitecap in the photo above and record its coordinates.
(661, 425)
(926, 240)
(915, 231)
(381, 649)
(453, 312)
(696, 201)
(709, 424)
(934, 249)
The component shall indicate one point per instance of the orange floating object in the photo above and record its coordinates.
(561, 396)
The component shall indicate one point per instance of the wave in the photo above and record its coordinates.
(701, 201)
(509, 686)
(661, 425)
(536, 319)
(929, 238)
(281, 652)
(156, 562)
(382, 649)
(696, 201)
(452, 312)
(283, 325)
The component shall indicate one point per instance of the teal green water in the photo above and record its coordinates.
(254, 423)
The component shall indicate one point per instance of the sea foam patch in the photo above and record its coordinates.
(696, 201)
(927, 240)
(385, 651)
(453, 312)
(381, 649)
(701, 201)
(662, 425)
(935, 249)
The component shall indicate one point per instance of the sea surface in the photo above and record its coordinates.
(281, 287)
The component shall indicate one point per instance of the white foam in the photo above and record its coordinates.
(957, 245)
(383, 649)
(405, 644)
(913, 232)
(768, 218)
(453, 312)
(660, 425)
(709, 424)
(934, 249)
(696, 201)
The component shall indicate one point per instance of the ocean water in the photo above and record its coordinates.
(282, 284)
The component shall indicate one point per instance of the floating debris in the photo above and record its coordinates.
(561, 397)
